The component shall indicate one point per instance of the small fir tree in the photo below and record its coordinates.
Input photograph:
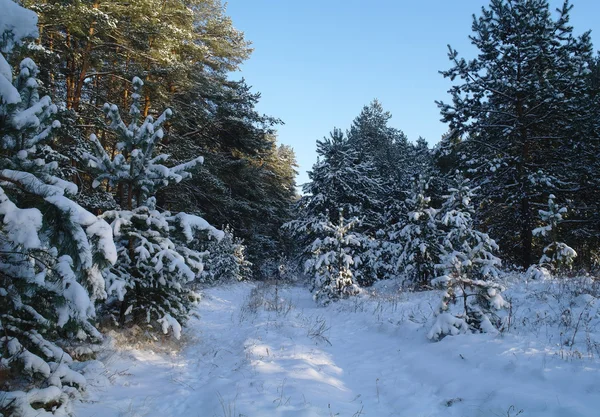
(378, 258)
(558, 256)
(333, 261)
(149, 281)
(341, 180)
(419, 238)
(226, 260)
(51, 249)
(471, 297)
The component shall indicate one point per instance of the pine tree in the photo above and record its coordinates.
(521, 112)
(248, 181)
(378, 255)
(558, 256)
(421, 159)
(340, 181)
(471, 296)
(149, 281)
(186, 50)
(95, 46)
(333, 260)
(226, 260)
(374, 140)
(51, 251)
(388, 150)
(419, 238)
(584, 233)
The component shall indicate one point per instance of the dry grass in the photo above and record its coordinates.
(144, 338)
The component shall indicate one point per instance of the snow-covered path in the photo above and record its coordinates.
(249, 356)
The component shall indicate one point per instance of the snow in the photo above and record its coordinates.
(95, 229)
(49, 349)
(190, 223)
(447, 324)
(62, 374)
(21, 225)
(78, 303)
(16, 23)
(168, 322)
(32, 364)
(24, 401)
(17, 20)
(252, 353)
(8, 93)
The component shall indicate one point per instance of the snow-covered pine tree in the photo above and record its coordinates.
(558, 256)
(419, 238)
(471, 296)
(225, 259)
(51, 249)
(149, 280)
(386, 147)
(334, 260)
(378, 256)
(522, 106)
(421, 159)
(340, 180)
(388, 245)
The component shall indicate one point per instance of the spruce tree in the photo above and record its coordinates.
(385, 146)
(149, 281)
(340, 181)
(52, 251)
(333, 260)
(557, 256)
(520, 113)
(226, 260)
(419, 238)
(388, 150)
(469, 267)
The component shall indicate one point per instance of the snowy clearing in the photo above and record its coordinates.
(250, 355)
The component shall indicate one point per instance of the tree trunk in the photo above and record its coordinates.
(525, 209)
(526, 233)
(85, 64)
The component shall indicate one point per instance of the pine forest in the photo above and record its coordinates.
(160, 257)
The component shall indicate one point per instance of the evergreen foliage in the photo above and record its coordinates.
(340, 182)
(106, 218)
(386, 147)
(558, 256)
(333, 260)
(52, 251)
(521, 117)
(419, 237)
(471, 296)
(185, 52)
(150, 278)
(226, 260)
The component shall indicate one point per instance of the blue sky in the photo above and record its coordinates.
(318, 62)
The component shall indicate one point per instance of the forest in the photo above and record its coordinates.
(138, 178)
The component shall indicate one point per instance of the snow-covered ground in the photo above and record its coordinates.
(248, 355)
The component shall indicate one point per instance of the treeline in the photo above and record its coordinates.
(184, 51)
(516, 177)
(131, 168)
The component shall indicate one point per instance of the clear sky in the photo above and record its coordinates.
(318, 62)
